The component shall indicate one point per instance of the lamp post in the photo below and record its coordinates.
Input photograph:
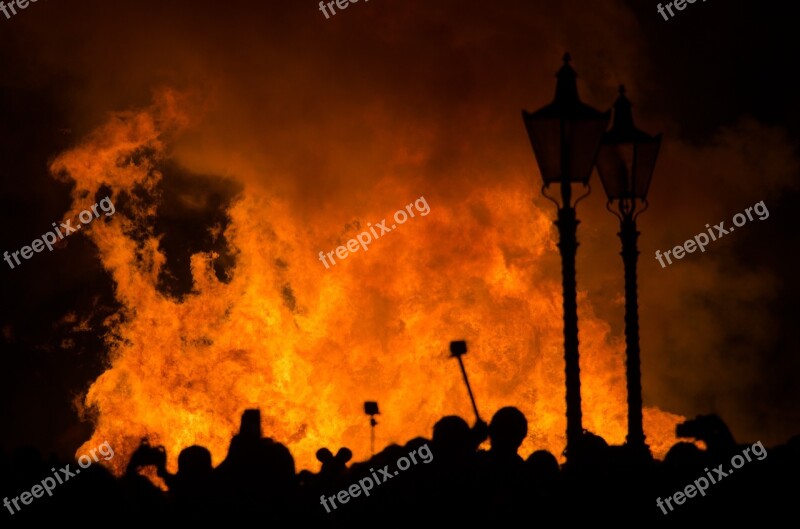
(565, 136)
(625, 163)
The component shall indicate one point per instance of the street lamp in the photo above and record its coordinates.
(625, 163)
(565, 136)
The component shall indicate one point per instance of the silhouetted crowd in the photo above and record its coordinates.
(451, 483)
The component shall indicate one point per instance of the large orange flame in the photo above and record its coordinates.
(308, 345)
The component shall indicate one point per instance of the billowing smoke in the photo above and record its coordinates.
(290, 132)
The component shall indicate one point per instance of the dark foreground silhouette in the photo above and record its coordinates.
(444, 481)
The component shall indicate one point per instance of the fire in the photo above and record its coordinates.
(309, 345)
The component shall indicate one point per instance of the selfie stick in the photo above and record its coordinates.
(458, 355)
(372, 423)
(371, 409)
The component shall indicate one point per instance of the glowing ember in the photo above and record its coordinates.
(307, 345)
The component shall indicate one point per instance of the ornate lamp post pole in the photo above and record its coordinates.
(625, 163)
(565, 136)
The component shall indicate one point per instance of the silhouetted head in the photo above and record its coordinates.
(542, 465)
(277, 459)
(344, 455)
(194, 461)
(507, 429)
(324, 455)
(593, 442)
(704, 427)
(334, 464)
(590, 450)
(684, 455)
(451, 435)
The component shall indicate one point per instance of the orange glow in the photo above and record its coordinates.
(308, 345)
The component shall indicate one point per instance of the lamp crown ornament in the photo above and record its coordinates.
(567, 84)
(623, 115)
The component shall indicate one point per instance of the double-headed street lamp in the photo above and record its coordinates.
(568, 138)
(625, 163)
(565, 136)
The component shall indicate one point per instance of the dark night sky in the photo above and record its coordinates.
(717, 79)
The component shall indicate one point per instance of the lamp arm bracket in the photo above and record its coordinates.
(548, 197)
(588, 187)
(646, 205)
(608, 207)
